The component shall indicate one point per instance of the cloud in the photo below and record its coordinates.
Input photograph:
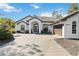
(64, 15)
(35, 6)
(8, 8)
(47, 14)
(61, 11)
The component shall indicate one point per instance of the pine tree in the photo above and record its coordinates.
(73, 7)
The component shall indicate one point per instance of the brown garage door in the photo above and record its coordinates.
(58, 30)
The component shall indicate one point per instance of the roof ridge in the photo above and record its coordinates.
(25, 17)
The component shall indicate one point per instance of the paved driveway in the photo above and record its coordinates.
(33, 45)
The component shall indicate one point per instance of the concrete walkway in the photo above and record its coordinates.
(34, 45)
(52, 48)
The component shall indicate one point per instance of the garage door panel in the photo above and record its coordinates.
(58, 30)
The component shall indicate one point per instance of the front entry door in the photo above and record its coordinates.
(36, 29)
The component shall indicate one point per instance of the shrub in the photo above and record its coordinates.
(49, 32)
(12, 30)
(27, 31)
(18, 31)
(45, 30)
(5, 35)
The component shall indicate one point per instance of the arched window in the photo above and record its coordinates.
(74, 27)
(22, 27)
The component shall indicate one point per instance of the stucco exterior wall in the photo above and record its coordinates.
(49, 26)
(67, 29)
(18, 26)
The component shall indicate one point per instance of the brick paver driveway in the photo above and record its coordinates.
(33, 45)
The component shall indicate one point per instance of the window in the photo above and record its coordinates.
(22, 27)
(74, 27)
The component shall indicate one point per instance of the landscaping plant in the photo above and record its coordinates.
(5, 36)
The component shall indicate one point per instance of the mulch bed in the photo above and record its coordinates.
(5, 42)
(71, 45)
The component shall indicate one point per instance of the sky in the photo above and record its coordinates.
(17, 11)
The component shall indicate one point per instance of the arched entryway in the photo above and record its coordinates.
(35, 27)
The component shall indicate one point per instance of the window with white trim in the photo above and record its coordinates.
(22, 27)
(74, 27)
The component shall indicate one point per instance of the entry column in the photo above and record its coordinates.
(29, 28)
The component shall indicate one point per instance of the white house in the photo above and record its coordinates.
(67, 27)
(34, 24)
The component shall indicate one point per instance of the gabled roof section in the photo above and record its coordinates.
(35, 18)
(24, 18)
(65, 18)
(44, 18)
(41, 18)
(22, 22)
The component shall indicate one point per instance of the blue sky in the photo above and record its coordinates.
(17, 11)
